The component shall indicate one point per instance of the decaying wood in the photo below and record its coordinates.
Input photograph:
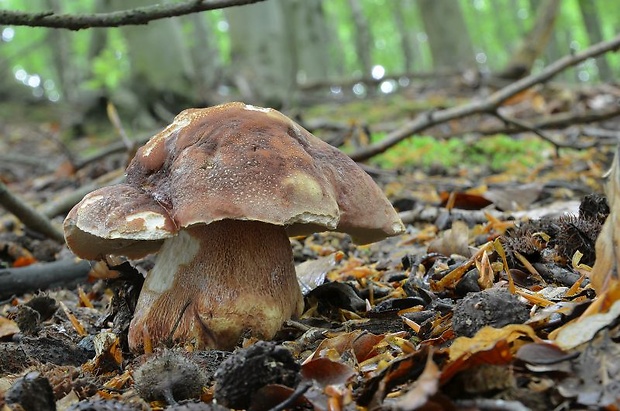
(30, 217)
(61, 273)
(487, 105)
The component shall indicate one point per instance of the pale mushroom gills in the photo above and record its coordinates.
(218, 193)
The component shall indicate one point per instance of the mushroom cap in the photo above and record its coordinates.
(232, 161)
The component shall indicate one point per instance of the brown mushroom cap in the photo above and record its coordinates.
(232, 161)
(120, 220)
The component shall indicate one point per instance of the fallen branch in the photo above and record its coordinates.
(113, 148)
(61, 273)
(30, 217)
(544, 122)
(487, 105)
(139, 15)
(14, 158)
(63, 204)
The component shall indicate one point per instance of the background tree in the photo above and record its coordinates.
(591, 20)
(448, 36)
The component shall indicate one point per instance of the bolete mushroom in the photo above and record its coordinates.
(218, 193)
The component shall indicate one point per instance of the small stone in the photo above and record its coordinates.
(32, 392)
(493, 307)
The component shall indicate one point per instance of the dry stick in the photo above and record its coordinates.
(61, 273)
(525, 126)
(139, 15)
(63, 204)
(30, 217)
(114, 148)
(118, 126)
(487, 105)
(547, 122)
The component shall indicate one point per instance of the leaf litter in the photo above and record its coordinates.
(495, 310)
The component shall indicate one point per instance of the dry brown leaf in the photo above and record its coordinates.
(488, 337)
(453, 241)
(77, 325)
(7, 327)
(327, 372)
(578, 332)
(423, 388)
(604, 274)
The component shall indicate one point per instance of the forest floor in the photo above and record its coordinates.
(478, 306)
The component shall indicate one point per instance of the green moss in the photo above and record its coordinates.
(498, 152)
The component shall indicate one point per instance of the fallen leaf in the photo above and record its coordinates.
(584, 329)
(7, 327)
(327, 372)
(604, 275)
(487, 337)
(453, 241)
(423, 388)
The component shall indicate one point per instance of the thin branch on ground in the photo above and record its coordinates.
(525, 126)
(138, 15)
(30, 217)
(61, 273)
(63, 204)
(554, 121)
(487, 105)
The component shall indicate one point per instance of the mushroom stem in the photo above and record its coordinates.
(229, 277)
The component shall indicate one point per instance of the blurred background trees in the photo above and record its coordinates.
(288, 52)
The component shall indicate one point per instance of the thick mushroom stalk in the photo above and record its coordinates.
(212, 283)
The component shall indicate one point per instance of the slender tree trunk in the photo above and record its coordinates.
(448, 38)
(261, 62)
(591, 19)
(363, 37)
(405, 32)
(534, 42)
(205, 58)
(161, 81)
(61, 42)
(309, 33)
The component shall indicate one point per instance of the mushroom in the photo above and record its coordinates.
(218, 193)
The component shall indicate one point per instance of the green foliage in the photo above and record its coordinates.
(498, 152)
(495, 26)
(109, 68)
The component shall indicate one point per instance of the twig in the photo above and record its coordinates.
(118, 126)
(114, 148)
(138, 15)
(67, 272)
(16, 158)
(544, 122)
(30, 217)
(64, 203)
(487, 105)
(525, 126)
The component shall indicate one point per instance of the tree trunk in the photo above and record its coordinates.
(363, 37)
(205, 58)
(261, 61)
(405, 33)
(449, 41)
(534, 42)
(591, 19)
(61, 42)
(161, 69)
(308, 30)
